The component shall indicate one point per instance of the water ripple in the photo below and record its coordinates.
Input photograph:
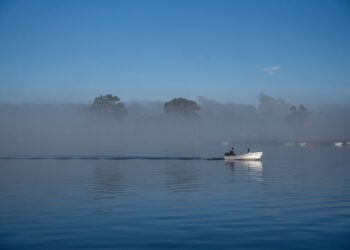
(107, 203)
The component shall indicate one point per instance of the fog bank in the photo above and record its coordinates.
(74, 129)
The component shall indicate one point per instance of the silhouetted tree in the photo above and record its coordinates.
(109, 104)
(297, 113)
(181, 106)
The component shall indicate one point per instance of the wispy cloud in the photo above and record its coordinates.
(271, 70)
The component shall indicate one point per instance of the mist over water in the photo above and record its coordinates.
(73, 129)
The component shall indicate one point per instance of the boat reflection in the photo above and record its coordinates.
(252, 164)
(254, 169)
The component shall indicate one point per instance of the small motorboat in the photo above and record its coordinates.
(254, 156)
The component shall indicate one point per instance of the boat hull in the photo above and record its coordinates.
(245, 157)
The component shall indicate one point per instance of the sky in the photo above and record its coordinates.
(229, 51)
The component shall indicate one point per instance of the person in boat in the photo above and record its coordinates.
(248, 149)
(232, 152)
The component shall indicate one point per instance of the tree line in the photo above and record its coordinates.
(112, 104)
(188, 108)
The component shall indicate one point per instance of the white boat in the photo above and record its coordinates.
(246, 157)
(338, 144)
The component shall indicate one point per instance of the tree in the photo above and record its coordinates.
(181, 106)
(297, 113)
(109, 104)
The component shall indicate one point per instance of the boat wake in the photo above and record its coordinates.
(98, 158)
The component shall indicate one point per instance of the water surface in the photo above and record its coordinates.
(294, 198)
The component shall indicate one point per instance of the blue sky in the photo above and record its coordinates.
(72, 51)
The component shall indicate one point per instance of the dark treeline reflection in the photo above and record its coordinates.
(147, 129)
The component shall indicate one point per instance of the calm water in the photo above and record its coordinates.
(295, 198)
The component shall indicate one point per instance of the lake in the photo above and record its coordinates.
(295, 198)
